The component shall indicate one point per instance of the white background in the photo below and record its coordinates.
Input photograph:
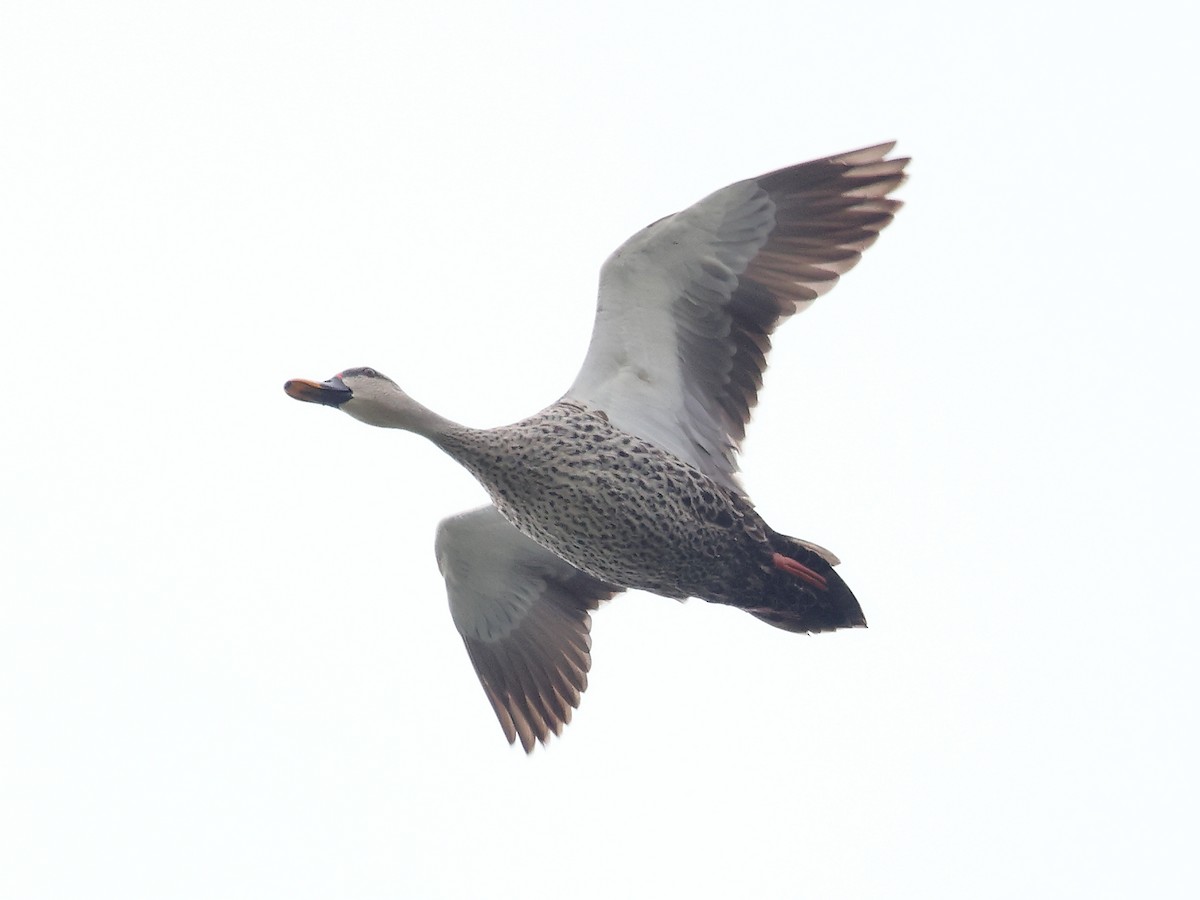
(226, 664)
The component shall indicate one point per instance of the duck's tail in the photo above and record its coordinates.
(804, 593)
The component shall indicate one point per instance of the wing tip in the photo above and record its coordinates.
(864, 154)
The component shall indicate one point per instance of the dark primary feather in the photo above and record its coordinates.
(534, 676)
(826, 213)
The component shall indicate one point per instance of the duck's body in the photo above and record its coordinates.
(633, 515)
(629, 481)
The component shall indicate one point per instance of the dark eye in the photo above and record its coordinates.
(370, 373)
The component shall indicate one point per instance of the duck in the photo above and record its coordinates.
(630, 480)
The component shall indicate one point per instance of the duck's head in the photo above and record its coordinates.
(364, 393)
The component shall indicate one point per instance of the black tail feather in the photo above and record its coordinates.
(793, 604)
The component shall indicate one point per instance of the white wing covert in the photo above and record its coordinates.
(687, 305)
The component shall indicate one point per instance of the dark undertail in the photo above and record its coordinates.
(793, 604)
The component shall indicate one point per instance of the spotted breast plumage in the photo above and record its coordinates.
(629, 513)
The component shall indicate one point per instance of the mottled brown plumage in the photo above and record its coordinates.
(628, 513)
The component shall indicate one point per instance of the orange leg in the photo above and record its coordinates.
(798, 569)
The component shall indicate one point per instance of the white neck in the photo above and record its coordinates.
(392, 408)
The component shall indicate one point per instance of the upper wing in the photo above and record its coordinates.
(687, 305)
(523, 614)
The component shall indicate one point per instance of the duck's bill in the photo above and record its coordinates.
(328, 393)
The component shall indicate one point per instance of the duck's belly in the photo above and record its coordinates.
(617, 507)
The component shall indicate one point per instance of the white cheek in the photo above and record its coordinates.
(364, 410)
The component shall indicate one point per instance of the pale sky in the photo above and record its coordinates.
(227, 667)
